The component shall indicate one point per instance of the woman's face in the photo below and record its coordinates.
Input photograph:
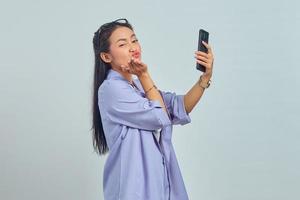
(123, 45)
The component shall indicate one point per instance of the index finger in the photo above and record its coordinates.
(207, 46)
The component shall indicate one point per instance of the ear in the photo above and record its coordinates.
(105, 57)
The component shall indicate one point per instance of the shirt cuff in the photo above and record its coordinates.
(183, 116)
(161, 115)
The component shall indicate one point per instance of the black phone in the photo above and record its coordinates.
(203, 36)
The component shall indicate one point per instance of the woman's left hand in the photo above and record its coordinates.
(206, 59)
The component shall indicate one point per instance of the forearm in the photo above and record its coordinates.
(192, 97)
(153, 94)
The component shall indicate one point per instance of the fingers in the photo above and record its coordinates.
(209, 50)
(207, 46)
(206, 55)
(130, 64)
(203, 63)
(208, 66)
(125, 68)
(134, 66)
(134, 63)
(204, 58)
(130, 67)
(201, 53)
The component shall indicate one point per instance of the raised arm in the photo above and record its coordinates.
(192, 97)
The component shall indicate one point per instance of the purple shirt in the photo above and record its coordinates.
(140, 166)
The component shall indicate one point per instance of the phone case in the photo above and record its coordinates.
(203, 36)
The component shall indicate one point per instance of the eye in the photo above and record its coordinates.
(121, 45)
(135, 40)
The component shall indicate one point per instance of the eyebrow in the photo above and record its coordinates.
(123, 39)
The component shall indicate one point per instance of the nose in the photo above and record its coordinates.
(132, 48)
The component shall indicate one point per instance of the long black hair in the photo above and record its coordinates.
(101, 44)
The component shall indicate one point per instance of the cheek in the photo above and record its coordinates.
(120, 57)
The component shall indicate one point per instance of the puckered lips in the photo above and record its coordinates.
(136, 54)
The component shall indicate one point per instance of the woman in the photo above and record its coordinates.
(141, 164)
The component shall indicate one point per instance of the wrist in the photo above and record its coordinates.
(144, 75)
(204, 82)
(205, 78)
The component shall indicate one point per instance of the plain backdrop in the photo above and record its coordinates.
(243, 141)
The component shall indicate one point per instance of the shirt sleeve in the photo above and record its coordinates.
(125, 106)
(176, 108)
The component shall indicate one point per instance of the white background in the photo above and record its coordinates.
(243, 141)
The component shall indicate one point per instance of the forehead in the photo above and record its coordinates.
(120, 32)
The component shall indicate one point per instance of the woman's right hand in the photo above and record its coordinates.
(135, 67)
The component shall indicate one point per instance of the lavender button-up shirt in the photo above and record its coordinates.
(140, 166)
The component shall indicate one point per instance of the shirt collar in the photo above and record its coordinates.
(113, 74)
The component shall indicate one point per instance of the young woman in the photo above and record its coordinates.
(133, 119)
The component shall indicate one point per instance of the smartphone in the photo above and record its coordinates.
(203, 36)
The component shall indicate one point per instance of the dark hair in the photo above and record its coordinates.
(101, 44)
